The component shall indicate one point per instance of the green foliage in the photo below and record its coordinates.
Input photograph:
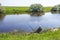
(49, 35)
(1, 9)
(36, 7)
(47, 9)
(17, 10)
(56, 9)
(20, 10)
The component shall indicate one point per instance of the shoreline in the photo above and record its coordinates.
(21, 10)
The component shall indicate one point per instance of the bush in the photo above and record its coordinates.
(56, 9)
(1, 9)
(36, 8)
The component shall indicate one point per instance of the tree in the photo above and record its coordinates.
(1, 9)
(36, 8)
(56, 9)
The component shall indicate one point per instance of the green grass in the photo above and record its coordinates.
(47, 9)
(11, 10)
(49, 35)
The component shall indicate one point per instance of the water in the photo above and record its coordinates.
(27, 23)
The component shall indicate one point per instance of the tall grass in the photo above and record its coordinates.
(49, 35)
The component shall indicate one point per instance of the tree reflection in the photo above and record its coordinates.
(36, 14)
(2, 16)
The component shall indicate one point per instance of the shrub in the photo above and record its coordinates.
(36, 8)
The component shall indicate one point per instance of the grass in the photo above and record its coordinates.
(47, 9)
(13, 10)
(49, 35)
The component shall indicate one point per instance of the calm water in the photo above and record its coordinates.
(25, 22)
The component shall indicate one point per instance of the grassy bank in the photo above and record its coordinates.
(13, 10)
(47, 9)
(49, 35)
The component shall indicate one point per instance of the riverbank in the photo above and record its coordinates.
(21, 10)
(49, 35)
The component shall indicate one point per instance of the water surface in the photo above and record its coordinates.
(27, 23)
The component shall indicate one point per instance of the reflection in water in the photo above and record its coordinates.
(27, 23)
(36, 14)
(2, 16)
